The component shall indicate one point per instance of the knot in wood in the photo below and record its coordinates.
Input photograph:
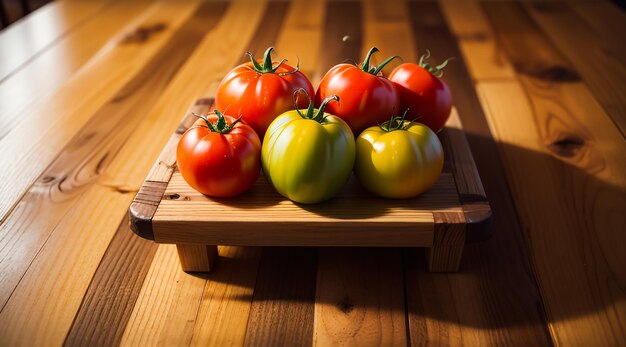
(567, 146)
(143, 33)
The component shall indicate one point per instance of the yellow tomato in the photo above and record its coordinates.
(399, 159)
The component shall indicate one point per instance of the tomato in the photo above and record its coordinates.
(308, 155)
(219, 156)
(367, 98)
(398, 159)
(258, 92)
(427, 97)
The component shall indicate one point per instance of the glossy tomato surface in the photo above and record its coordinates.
(400, 163)
(427, 97)
(367, 97)
(305, 160)
(219, 164)
(260, 96)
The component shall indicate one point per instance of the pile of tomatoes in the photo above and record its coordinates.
(309, 149)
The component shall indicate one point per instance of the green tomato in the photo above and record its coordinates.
(398, 159)
(307, 155)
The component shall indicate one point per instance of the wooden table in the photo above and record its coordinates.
(540, 89)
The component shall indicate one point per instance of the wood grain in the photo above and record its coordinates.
(355, 217)
(75, 103)
(113, 291)
(359, 298)
(168, 303)
(77, 169)
(25, 90)
(448, 242)
(197, 258)
(571, 142)
(587, 51)
(84, 160)
(227, 299)
(282, 306)
(40, 30)
(182, 317)
(455, 309)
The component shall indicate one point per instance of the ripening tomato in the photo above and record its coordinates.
(219, 156)
(398, 159)
(308, 155)
(367, 98)
(259, 93)
(427, 97)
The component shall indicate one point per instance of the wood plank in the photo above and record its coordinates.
(185, 320)
(572, 142)
(113, 291)
(600, 65)
(37, 32)
(56, 281)
(359, 298)
(607, 20)
(342, 35)
(580, 280)
(100, 306)
(34, 143)
(355, 217)
(168, 302)
(86, 156)
(476, 41)
(301, 36)
(70, 275)
(282, 306)
(25, 90)
(386, 26)
(462, 308)
(223, 315)
(448, 242)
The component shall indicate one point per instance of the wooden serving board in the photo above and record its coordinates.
(452, 213)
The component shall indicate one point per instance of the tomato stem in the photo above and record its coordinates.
(220, 126)
(312, 113)
(437, 70)
(395, 123)
(372, 69)
(268, 65)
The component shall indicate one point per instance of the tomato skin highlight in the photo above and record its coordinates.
(306, 161)
(427, 97)
(219, 164)
(398, 164)
(260, 97)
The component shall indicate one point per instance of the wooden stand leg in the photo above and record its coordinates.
(445, 254)
(197, 258)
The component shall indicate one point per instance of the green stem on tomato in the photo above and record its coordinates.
(312, 113)
(365, 67)
(268, 65)
(436, 70)
(395, 123)
(220, 126)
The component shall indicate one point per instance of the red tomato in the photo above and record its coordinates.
(427, 97)
(259, 93)
(219, 155)
(367, 98)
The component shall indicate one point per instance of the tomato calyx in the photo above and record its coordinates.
(268, 66)
(365, 66)
(311, 112)
(436, 70)
(395, 123)
(220, 126)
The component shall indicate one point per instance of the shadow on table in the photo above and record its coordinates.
(495, 287)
